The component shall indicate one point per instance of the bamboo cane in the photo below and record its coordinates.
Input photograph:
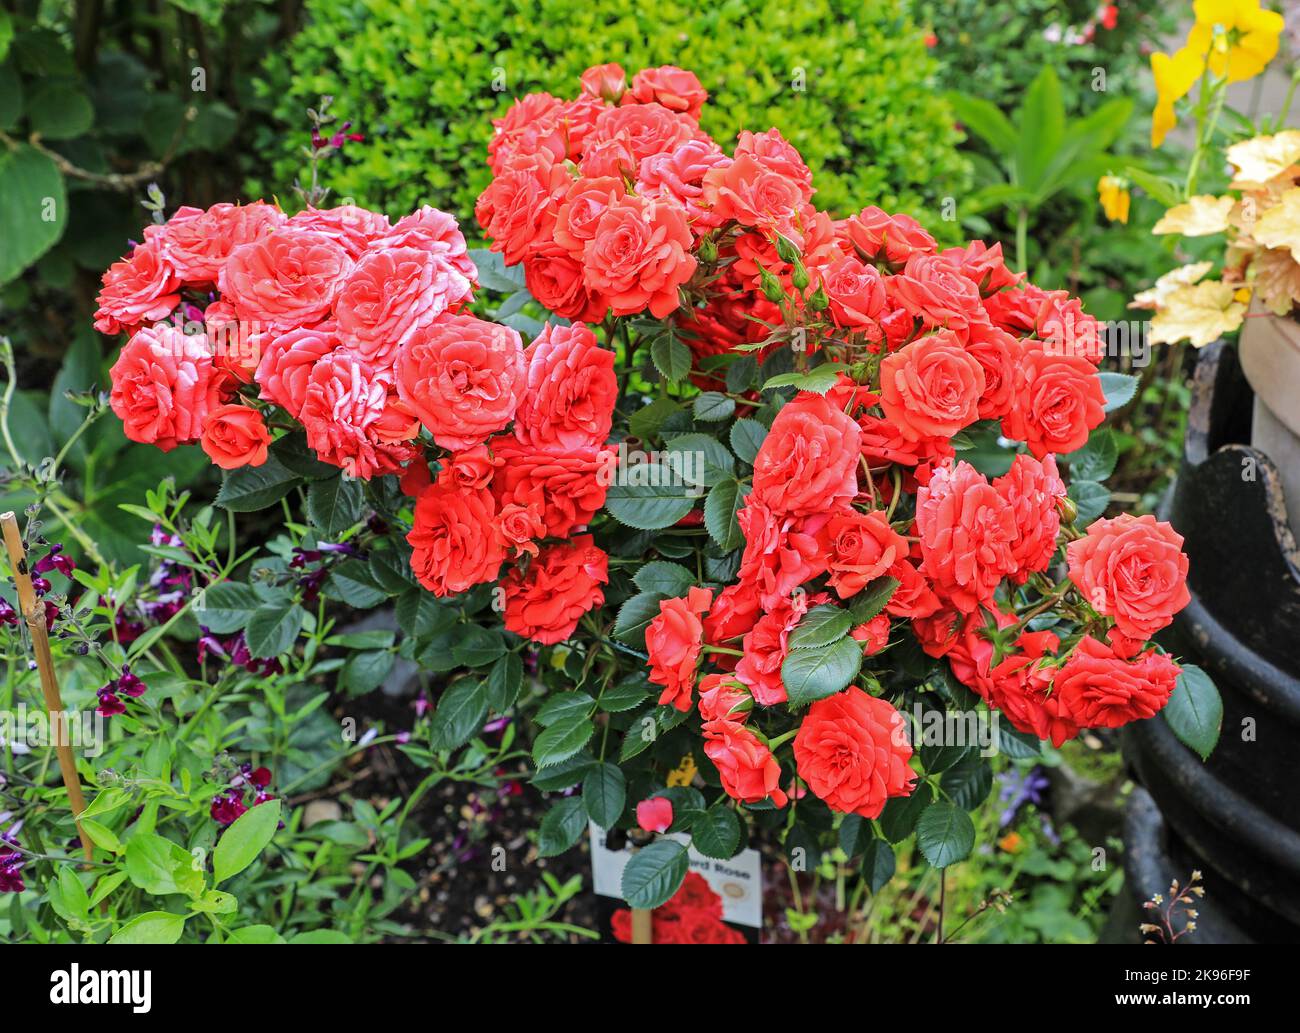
(642, 926)
(34, 614)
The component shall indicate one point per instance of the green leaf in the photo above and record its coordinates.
(334, 505)
(741, 374)
(878, 864)
(477, 646)
(650, 496)
(813, 674)
(563, 706)
(33, 209)
(326, 936)
(633, 617)
(747, 438)
(1096, 460)
(722, 514)
(624, 694)
(646, 421)
(101, 835)
(713, 407)
(151, 927)
(272, 629)
(1118, 388)
(604, 794)
(562, 827)
(366, 670)
(247, 836)
(899, 817)
(855, 834)
(504, 682)
(1163, 190)
(821, 626)
(668, 579)
(700, 460)
(1195, 711)
(819, 380)
(945, 834)
(227, 606)
(460, 714)
(717, 832)
(871, 600)
(161, 867)
(251, 488)
(969, 781)
(562, 740)
(671, 358)
(654, 873)
(59, 109)
(985, 119)
(1041, 129)
(1091, 499)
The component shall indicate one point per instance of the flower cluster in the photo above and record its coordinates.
(692, 915)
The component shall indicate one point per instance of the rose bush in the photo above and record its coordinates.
(768, 490)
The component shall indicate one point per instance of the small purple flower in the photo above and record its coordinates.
(130, 684)
(109, 702)
(1020, 789)
(8, 615)
(11, 872)
(227, 807)
(40, 585)
(55, 560)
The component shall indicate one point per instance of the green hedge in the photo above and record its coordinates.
(417, 76)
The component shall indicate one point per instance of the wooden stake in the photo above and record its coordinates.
(642, 925)
(34, 614)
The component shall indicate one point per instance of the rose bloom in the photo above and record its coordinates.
(673, 87)
(646, 128)
(781, 552)
(562, 583)
(936, 292)
(570, 390)
(852, 751)
(609, 158)
(1132, 569)
(141, 288)
(639, 256)
(1032, 490)
(873, 232)
(913, 597)
(766, 646)
(285, 280)
(518, 525)
(1015, 310)
(932, 387)
(998, 354)
(808, 463)
(605, 81)
(753, 195)
(1099, 690)
(580, 211)
(982, 265)
(856, 294)
(528, 126)
(462, 377)
(469, 469)
(862, 548)
(775, 153)
(197, 243)
(874, 634)
(723, 698)
(968, 533)
(518, 208)
(235, 436)
(883, 443)
(733, 613)
(555, 280)
(1058, 400)
(353, 229)
(678, 176)
(1021, 688)
(353, 418)
(164, 386)
(453, 538)
(746, 766)
(391, 295)
(286, 364)
(430, 229)
(673, 641)
(567, 486)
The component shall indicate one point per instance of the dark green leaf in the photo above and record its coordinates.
(654, 873)
(813, 674)
(945, 834)
(1195, 710)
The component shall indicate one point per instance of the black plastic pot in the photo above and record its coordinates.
(1235, 817)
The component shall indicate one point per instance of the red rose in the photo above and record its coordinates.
(1058, 400)
(463, 378)
(235, 436)
(775, 153)
(677, 176)
(808, 463)
(1099, 690)
(472, 468)
(998, 354)
(746, 766)
(872, 232)
(1132, 569)
(141, 288)
(568, 486)
(935, 291)
(862, 548)
(580, 211)
(1021, 688)
(353, 418)
(197, 243)
(645, 129)
(673, 87)
(454, 541)
(913, 597)
(874, 634)
(852, 750)
(518, 526)
(518, 208)
(570, 390)
(555, 280)
(982, 265)
(932, 387)
(639, 255)
(968, 533)
(752, 194)
(287, 279)
(164, 386)
(673, 641)
(723, 698)
(781, 552)
(856, 294)
(1032, 490)
(428, 229)
(733, 613)
(884, 443)
(766, 646)
(605, 81)
(562, 583)
(530, 126)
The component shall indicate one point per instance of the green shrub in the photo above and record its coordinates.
(417, 77)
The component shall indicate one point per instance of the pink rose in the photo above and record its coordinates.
(141, 288)
(285, 280)
(164, 386)
(353, 229)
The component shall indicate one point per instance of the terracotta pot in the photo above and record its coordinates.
(1269, 351)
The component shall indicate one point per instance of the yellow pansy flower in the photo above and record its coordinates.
(1237, 37)
(1114, 196)
(1174, 76)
